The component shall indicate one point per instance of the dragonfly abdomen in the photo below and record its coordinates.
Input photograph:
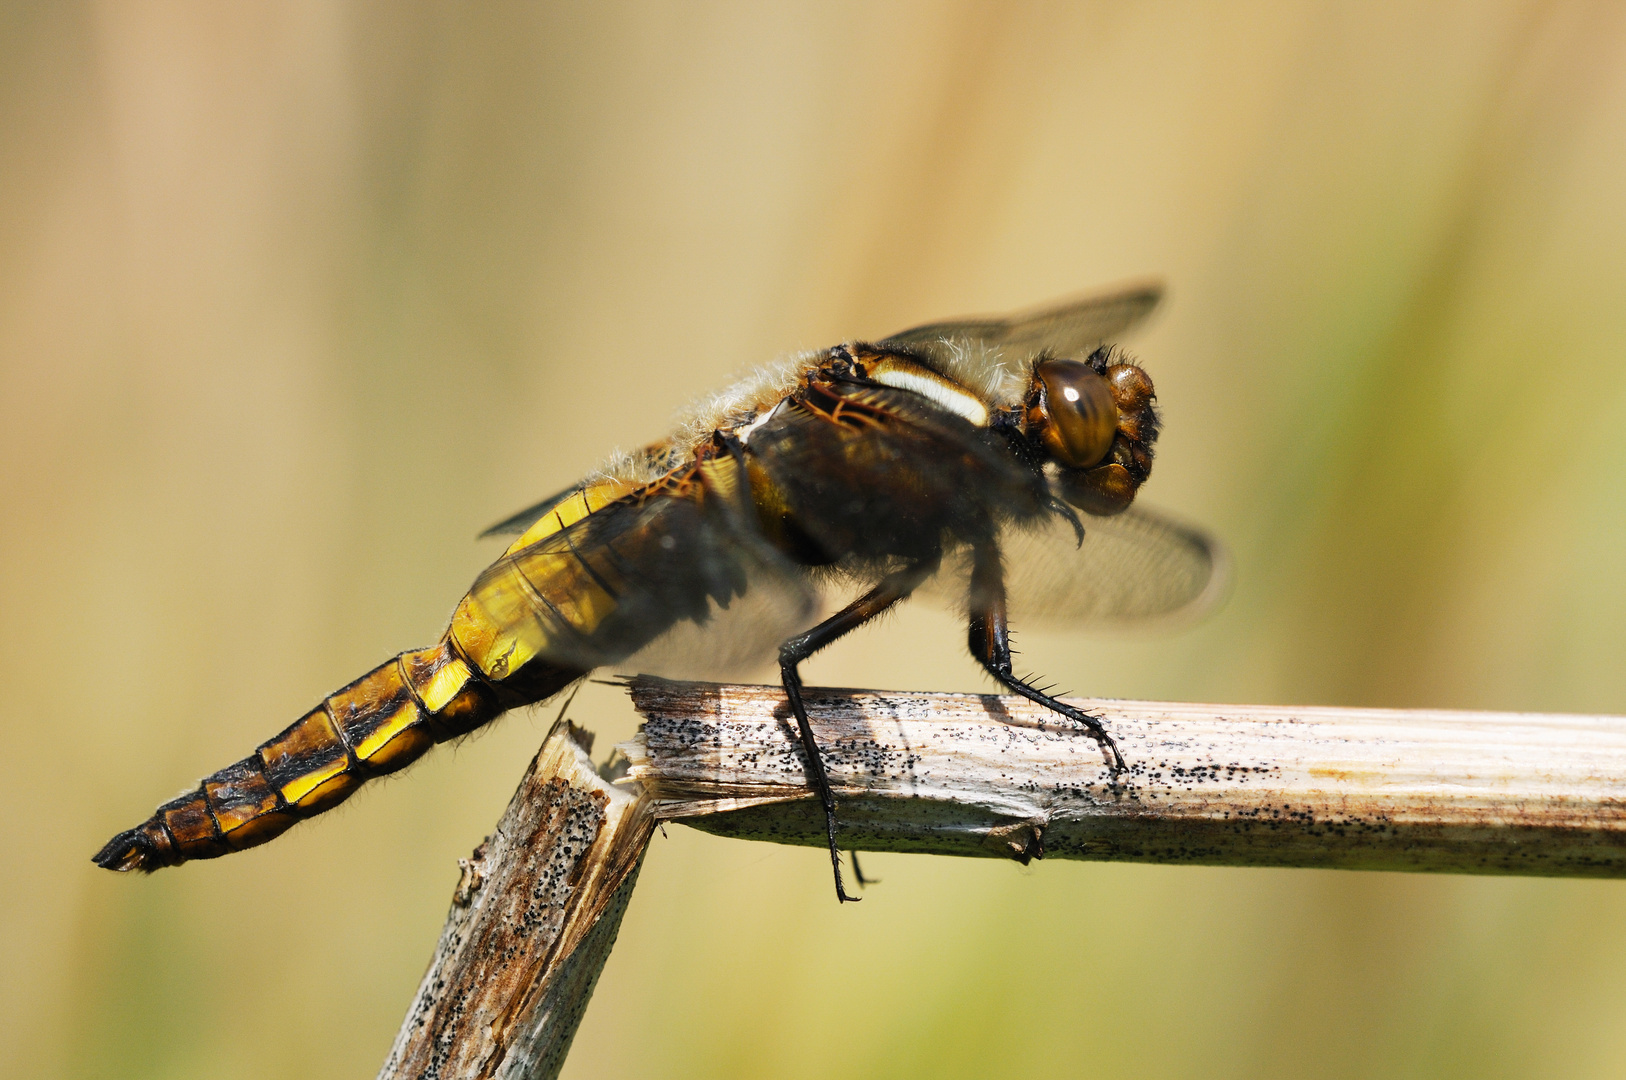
(382, 722)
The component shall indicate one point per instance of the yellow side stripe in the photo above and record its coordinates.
(386, 731)
(301, 786)
(586, 501)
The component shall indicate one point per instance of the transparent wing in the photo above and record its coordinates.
(736, 643)
(1070, 327)
(529, 516)
(1065, 328)
(1138, 565)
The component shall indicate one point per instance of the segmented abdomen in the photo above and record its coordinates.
(594, 580)
(382, 722)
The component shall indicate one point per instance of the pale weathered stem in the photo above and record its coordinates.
(1234, 785)
(531, 925)
(966, 774)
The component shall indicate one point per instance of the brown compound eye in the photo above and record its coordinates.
(1070, 410)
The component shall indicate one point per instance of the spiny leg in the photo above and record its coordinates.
(989, 637)
(893, 587)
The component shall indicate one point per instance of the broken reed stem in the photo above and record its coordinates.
(531, 925)
(1225, 785)
(533, 920)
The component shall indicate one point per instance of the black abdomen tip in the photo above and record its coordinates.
(129, 850)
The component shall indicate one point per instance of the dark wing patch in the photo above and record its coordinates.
(1139, 564)
(1071, 327)
(887, 487)
(529, 516)
(607, 585)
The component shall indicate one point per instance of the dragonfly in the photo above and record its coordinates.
(992, 462)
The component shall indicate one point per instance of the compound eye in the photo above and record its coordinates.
(1071, 412)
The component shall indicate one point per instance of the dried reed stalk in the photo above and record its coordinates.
(964, 774)
(1229, 785)
(531, 925)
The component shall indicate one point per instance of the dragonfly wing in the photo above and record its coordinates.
(1138, 565)
(736, 643)
(527, 517)
(1066, 328)
(602, 587)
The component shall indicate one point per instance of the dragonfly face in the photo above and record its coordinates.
(956, 453)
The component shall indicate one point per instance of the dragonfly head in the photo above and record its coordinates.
(1094, 419)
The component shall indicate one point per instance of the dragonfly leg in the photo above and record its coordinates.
(989, 636)
(893, 587)
(858, 875)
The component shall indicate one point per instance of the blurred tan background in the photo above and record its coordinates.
(296, 298)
